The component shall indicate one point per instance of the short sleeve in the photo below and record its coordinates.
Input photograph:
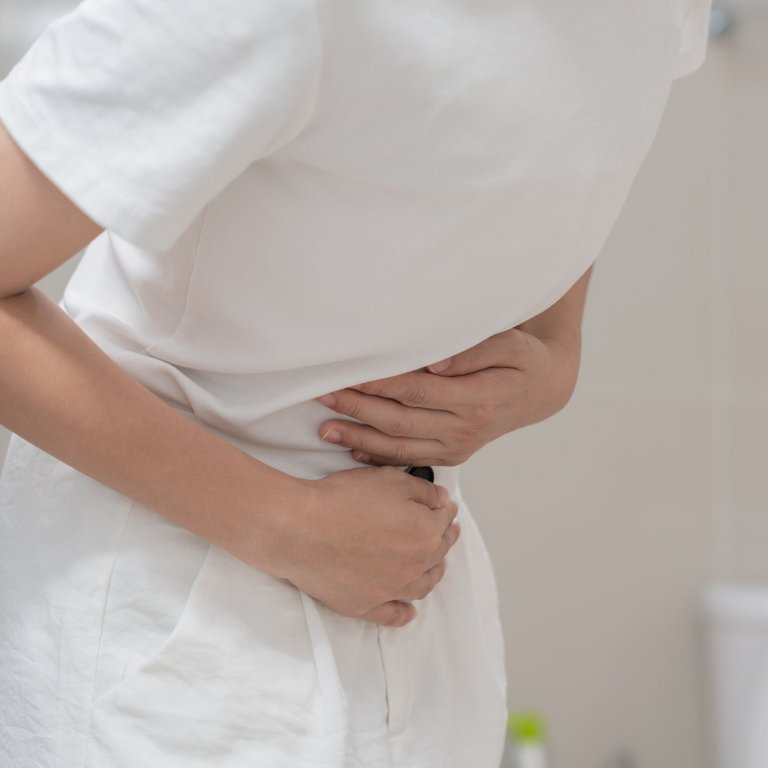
(693, 46)
(142, 111)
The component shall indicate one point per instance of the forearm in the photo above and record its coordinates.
(559, 327)
(360, 541)
(562, 321)
(60, 391)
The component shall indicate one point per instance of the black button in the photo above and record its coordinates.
(427, 473)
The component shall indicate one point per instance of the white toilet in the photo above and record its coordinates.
(737, 647)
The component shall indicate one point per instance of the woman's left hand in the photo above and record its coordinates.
(442, 416)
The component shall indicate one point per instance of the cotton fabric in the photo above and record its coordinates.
(298, 195)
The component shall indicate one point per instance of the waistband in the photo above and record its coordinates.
(310, 465)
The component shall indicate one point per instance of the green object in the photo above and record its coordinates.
(526, 728)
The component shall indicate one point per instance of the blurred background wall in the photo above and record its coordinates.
(607, 521)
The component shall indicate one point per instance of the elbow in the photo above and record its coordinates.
(13, 291)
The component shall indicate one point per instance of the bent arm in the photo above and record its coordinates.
(442, 417)
(60, 391)
(365, 543)
(562, 321)
(560, 326)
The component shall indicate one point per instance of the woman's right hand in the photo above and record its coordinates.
(369, 541)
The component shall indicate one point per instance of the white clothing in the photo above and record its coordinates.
(128, 642)
(299, 195)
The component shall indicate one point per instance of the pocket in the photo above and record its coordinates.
(236, 682)
(154, 568)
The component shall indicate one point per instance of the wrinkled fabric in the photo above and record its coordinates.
(126, 641)
(297, 196)
(302, 195)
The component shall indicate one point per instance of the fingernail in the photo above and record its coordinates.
(441, 366)
(332, 436)
(358, 456)
(327, 400)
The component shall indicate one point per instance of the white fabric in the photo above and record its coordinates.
(299, 195)
(127, 642)
(693, 48)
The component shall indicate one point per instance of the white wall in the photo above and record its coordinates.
(598, 520)
(607, 522)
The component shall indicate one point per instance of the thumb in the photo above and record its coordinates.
(504, 350)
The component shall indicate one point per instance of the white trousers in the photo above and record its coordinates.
(129, 642)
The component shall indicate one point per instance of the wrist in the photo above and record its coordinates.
(281, 516)
(247, 508)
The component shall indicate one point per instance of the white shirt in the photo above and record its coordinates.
(298, 195)
(302, 195)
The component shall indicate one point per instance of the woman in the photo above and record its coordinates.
(290, 210)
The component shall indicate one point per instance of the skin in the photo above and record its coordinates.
(442, 416)
(363, 542)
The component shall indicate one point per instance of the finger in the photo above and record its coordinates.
(392, 614)
(447, 514)
(376, 461)
(421, 587)
(387, 415)
(450, 537)
(384, 461)
(507, 349)
(427, 494)
(416, 390)
(399, 451)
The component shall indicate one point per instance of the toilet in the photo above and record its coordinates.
(736, 618)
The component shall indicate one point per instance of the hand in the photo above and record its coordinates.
(442, 416)
(369, 542)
